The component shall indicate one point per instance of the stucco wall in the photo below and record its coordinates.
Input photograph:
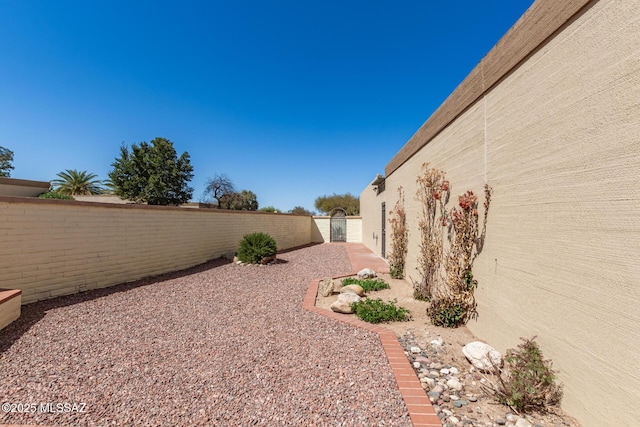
(558, 139)
(322, 229)
(54, 247)
(22, 187)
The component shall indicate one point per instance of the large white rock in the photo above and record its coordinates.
(343, 303)
(354, 289)
(366, 273)
(482, 355)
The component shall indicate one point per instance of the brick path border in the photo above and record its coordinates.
(415, 398)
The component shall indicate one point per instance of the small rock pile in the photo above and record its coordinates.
(456, 391)
(347, 294)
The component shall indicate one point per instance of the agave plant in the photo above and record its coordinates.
(75, 183)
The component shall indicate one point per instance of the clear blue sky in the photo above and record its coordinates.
(291, 99)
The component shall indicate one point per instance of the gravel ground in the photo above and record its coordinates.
(220, 344)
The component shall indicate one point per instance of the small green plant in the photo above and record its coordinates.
(55, 195)
(378, 311)
(367, 284)
(447, 312)
(256, 247)
(528, 381)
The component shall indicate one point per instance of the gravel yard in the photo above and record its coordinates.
(220, 344)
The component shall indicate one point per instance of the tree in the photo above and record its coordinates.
(220, 191)
(269, 209)
(348, 202)
(6, 159)
(152, 173)
(74, 183)
(219, 188)
(299, 210)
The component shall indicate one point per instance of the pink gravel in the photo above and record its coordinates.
(218, 345)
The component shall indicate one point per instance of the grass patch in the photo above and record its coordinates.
(367, 285)
(378, 311)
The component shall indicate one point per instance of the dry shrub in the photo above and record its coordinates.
(399, 238)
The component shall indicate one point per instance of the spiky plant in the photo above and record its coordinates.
(77, 183)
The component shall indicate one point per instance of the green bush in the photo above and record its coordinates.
(529, 381)
(377, 311)
(367, 285)
(55, 195)
(255, 247)
(447, 312)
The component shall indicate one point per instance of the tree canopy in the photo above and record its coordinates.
(74, 183)
(221, 192)
(348, 202)
(6, 162)
(299, 210)
(152, 173)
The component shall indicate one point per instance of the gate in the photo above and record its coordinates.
(338, 226)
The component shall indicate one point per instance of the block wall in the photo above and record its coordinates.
(53, 247)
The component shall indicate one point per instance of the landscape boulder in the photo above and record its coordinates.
(366, 273)
(343, 303)
(482, 356)
(354, 289)
(326, 287)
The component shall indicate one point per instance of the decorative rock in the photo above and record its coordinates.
(416, 365)
(453, 370)
(482, 355)
(415, 350)
(434, 374)
(325, 287)
(431, 381)
(473, 399)
(454, 420)
(433, 394)
(523, 422)
(422, 359)
(459, 403)
(343, 303)
(366, 273)
(437, 342)
(437, 389)
(444, 371)
(454, 384)
(355, 289)
(511, 417)
(501, 421)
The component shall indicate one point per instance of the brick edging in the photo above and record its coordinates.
(415, 398)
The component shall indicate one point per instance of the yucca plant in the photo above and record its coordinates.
(77, 183)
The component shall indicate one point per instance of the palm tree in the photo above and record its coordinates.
(74, 183)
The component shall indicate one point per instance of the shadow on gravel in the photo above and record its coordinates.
(34, 312)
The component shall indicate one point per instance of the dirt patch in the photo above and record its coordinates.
(480, 409)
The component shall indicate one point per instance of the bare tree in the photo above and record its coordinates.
(219, 188)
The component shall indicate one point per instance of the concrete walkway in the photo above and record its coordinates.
(415, 398)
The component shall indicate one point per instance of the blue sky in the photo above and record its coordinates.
(291, 99)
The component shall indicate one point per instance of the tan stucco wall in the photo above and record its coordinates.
(22, 187)
(322, 229)
(54, 247)
(559, 141)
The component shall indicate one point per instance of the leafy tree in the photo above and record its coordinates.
(219, 190)
(152, 173)
(6, 159)
(348, 202)
(299, 210)
(74, 183)
(243, 201)
(269, 209)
